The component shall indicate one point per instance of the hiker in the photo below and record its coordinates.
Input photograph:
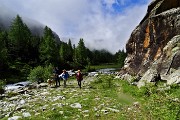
(56, 76)
(64, 76)
(79, 78)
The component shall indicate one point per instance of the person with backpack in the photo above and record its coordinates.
(64, 76)
(79, 78)
(56, 76)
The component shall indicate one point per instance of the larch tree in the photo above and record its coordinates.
(120, 57)
(3, 49)
(81, 54)
(19, 39)
(63, 52)
(70, 51)
(48, 48)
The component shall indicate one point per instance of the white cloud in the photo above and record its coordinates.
(83, 19)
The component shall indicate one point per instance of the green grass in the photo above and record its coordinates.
(105, 66)
(103, 93)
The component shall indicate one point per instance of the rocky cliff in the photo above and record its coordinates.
(154, 45)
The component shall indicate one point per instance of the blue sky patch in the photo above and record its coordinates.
(119, 5)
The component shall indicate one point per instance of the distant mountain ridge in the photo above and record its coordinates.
(7, 16)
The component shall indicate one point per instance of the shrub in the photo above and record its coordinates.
(40, 74)
(47, 72)
(2, 83)
(25, 69)
(11, 94)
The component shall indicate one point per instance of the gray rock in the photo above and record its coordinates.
(112, 109)
(117, 77)
(32, 86)
(167, 65)
(85, 111)
(45, 93)
(22, 102)
(76, 105)
(127, 77)
(13, 98)
(176, 100)
(15, 118)
(174, 78)
(61, 112)
(26, 114)
(147, 78)
(42, 85)
(164, 88)
(59, 98)
(11, 105)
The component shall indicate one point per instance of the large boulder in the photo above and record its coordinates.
(154, 45)
(167, 66)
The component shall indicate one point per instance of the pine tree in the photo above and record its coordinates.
(70, 51)
(121, 56)
(34, 49)
(63, 52)
(48, 48)
(3, 49)
(19, 39)
(81, 54)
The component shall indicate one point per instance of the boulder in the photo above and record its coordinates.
(154, 45)
(167, 66)
(42, 85)
(15, 118)
(26, 114)
(76, 105)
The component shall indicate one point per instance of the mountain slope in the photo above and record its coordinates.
(7, 16)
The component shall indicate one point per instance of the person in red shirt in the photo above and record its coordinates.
(79, 78)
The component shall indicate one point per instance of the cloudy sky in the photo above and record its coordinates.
(103, 24)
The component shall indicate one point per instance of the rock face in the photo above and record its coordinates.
(154, 45)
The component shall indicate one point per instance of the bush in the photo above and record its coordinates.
(2, 84)
(48, 72)
(40, 74)
(12, 94)
(25, 69)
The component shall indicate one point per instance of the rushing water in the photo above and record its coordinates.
(107, 70)
(17, 85)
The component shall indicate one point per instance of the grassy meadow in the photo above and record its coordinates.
(102, 98)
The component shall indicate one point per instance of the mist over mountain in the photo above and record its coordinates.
(7, 16)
